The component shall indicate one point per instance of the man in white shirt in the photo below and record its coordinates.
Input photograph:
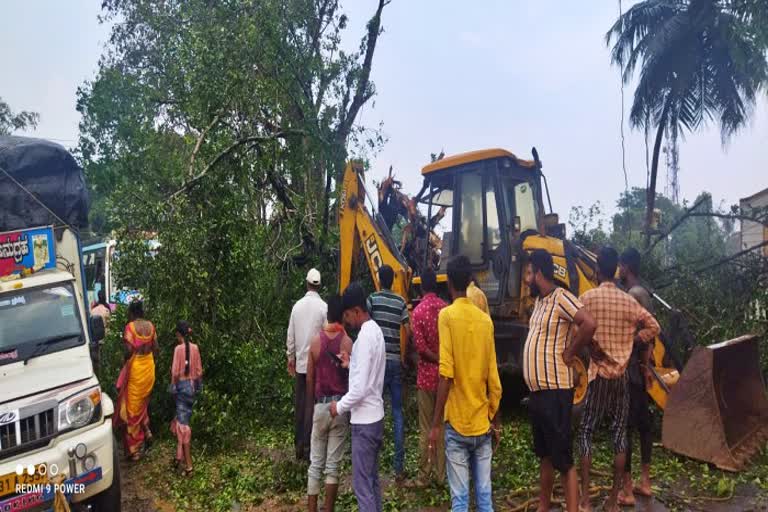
(364, 399)
(307, 318)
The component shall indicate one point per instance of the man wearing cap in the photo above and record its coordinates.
(307, 319)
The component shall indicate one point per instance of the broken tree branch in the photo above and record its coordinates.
(720, 262)
(199, 143)
(253, 141)
(675, 225)
(733, 216)
(281, 189)
(739, 254)
(362, 94)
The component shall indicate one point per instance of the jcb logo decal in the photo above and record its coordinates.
(560, 271)
(372, 248)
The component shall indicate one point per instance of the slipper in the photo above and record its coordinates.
(186, 471)
(626, 501)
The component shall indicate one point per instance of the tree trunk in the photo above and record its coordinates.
(326, 205)
(650, 193)
(331, 171)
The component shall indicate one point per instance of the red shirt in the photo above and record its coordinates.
(425, 336)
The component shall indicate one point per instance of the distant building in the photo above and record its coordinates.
(754, 233)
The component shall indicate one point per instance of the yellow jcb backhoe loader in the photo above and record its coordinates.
(488, 205)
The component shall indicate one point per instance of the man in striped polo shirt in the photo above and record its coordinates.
(547, 356)
(390, 311)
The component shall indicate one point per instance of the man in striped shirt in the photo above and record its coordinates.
(390, 311)
(547, 356)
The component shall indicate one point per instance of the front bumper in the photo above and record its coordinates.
(99, 443)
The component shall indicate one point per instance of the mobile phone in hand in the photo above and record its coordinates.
(336, 359)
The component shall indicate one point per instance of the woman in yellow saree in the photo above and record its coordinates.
(136, 380)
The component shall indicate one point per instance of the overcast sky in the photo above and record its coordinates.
(510, 74)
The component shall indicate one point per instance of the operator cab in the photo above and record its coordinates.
(480, 203)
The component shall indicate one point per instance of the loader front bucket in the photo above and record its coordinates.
(718, 411)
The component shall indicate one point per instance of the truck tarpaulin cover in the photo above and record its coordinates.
(48, 171)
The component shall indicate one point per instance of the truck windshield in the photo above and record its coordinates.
(38, 321)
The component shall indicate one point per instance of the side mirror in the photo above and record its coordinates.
(97, 328)
(551, 219)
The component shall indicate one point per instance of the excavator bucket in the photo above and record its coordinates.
(718, 411)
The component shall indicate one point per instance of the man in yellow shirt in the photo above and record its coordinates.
(468, 393)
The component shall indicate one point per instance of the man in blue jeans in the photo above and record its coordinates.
(390, 311)
(468, 393)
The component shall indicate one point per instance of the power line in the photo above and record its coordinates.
(621, 83)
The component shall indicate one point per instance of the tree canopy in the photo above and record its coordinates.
(221, 130)
(18, 121)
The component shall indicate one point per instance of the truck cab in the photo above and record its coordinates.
(54, 418)
(56, 434)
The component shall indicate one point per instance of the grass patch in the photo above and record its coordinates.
(259, 468)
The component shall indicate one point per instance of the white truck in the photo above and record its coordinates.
(56, 433)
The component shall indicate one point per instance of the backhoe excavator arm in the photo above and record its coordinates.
(358, 229)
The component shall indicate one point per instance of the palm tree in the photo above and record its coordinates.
(755, 14)
(698, 62)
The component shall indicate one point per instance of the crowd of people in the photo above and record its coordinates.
(137, 379)
(340, 385)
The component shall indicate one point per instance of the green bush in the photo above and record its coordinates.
(238, 303)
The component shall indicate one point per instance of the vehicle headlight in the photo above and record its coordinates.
(79, 410)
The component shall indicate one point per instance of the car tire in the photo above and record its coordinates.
(110, 500)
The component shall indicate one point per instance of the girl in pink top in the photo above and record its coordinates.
(186, 381)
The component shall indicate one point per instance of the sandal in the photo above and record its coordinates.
(136, 457)
(186, 472)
